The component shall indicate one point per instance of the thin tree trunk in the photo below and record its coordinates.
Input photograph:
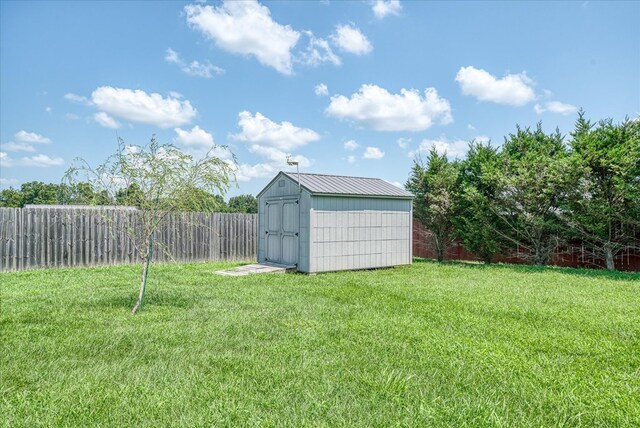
(143, 281)
(608, 257)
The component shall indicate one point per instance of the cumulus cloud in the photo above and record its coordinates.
(273, 142)
(258, 129)
(321, 90)
(350, 39)
(351, 145)
(373, 153)
(246, 28)
(41, 161)
(246, 172)
(199, 142)
(5, 160)
(31, 137)
(193, 68)
(403, 143)
(318, 51)
(105, 120)
(78, 99)
(351, 159)
(374, 107)
(482, 139)
(140, 107)
(512, 89)
(196, 137)
(382, 8)
(17, 147)
(453, 149)
(555, 107)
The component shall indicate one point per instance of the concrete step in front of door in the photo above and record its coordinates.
(256, 269)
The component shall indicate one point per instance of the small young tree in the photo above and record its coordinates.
(534, 176)
(434, 185)
(156, 179)
(604, 210)
(476, 221)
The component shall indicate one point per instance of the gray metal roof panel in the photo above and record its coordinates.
(346, 185)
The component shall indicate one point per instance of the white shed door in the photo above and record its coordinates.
(282, 231)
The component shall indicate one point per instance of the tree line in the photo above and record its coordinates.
(536, 192)
(85, 193)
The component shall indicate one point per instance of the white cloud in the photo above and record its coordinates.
(350, 39)
(351, 159)
(246, 28)
(277, 157)
(78, 99)
(5, 160)
(196, 137)
(555, 107)
(247, 172)
(141, 107)
(105, 120)
(261, 130)
(317, 52)
(31, 137)
(373, 153)
(397, 184)
(41, 161)
(17, 147)
(376, 108)
(453, 149)
(382, 8)
(403, 143)
(351, 145)
(37, 161)
(172, 57)
(483, 139)
(194, 68)
(512, 89)
(199, 143)
(321, 90)
(272, 141)
(48, 109)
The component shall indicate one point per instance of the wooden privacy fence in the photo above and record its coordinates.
(64, 236)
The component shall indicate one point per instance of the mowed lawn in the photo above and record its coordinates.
(422, 345)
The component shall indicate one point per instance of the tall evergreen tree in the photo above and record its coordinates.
(434, 185)
(604, 210)
(534, 177)
(476, 221)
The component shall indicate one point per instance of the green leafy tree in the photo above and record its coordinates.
(604, 210)
(199, 200)
(81, 194)
(243, 204)
(433, 183)
(39, 193)
(156, 179)
(534, 177)
(11, 198)
(476, 221)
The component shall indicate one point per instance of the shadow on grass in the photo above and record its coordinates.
(585, 272)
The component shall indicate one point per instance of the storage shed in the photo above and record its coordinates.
(330, 222)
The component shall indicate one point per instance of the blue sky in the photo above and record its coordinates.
(354, 88)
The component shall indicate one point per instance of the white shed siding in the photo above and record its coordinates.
(359, 233)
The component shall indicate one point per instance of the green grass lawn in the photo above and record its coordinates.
(422, 345)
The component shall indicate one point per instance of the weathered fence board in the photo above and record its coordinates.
(64, 237)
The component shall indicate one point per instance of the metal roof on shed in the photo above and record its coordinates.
(348, 186)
